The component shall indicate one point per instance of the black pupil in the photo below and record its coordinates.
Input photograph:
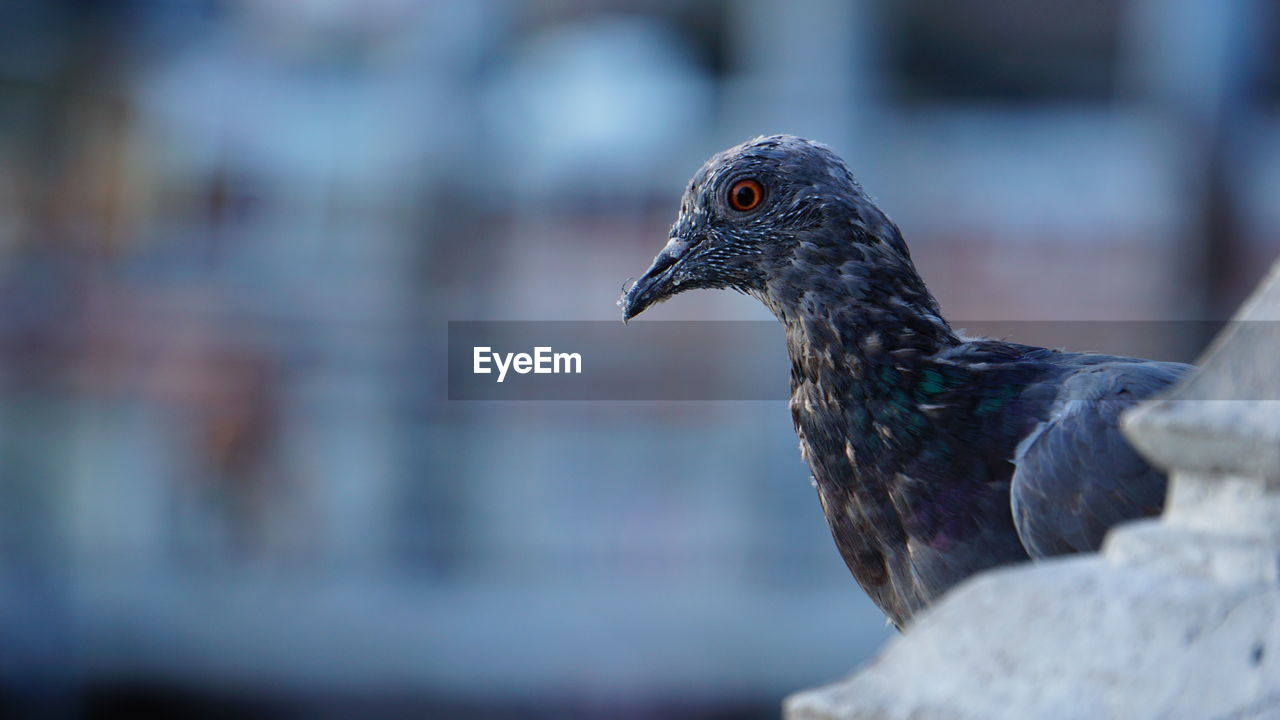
(745, 196)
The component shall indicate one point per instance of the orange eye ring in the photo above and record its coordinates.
(746, 195)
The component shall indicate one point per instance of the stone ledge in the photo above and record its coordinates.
(980, 656)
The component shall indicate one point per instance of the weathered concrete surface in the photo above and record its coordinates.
(1178, 617)
(1075, 638)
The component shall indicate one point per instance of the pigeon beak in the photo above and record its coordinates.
(657, 283)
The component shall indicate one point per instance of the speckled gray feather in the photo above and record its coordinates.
(934, 457)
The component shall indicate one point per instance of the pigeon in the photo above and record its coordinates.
(935, 456)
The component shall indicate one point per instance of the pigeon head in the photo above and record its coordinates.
(756, 211)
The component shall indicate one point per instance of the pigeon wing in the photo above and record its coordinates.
(1076, 475)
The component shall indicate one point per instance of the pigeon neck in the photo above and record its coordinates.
(857, 301)
(861, 330)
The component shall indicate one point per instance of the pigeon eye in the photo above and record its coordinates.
(745, 195)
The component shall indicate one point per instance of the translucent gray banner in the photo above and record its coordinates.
(722, 360)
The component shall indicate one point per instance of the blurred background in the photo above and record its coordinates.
(232, 233)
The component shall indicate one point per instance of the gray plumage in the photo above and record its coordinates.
(934, 456)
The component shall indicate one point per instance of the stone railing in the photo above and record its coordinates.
(1177, 617)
